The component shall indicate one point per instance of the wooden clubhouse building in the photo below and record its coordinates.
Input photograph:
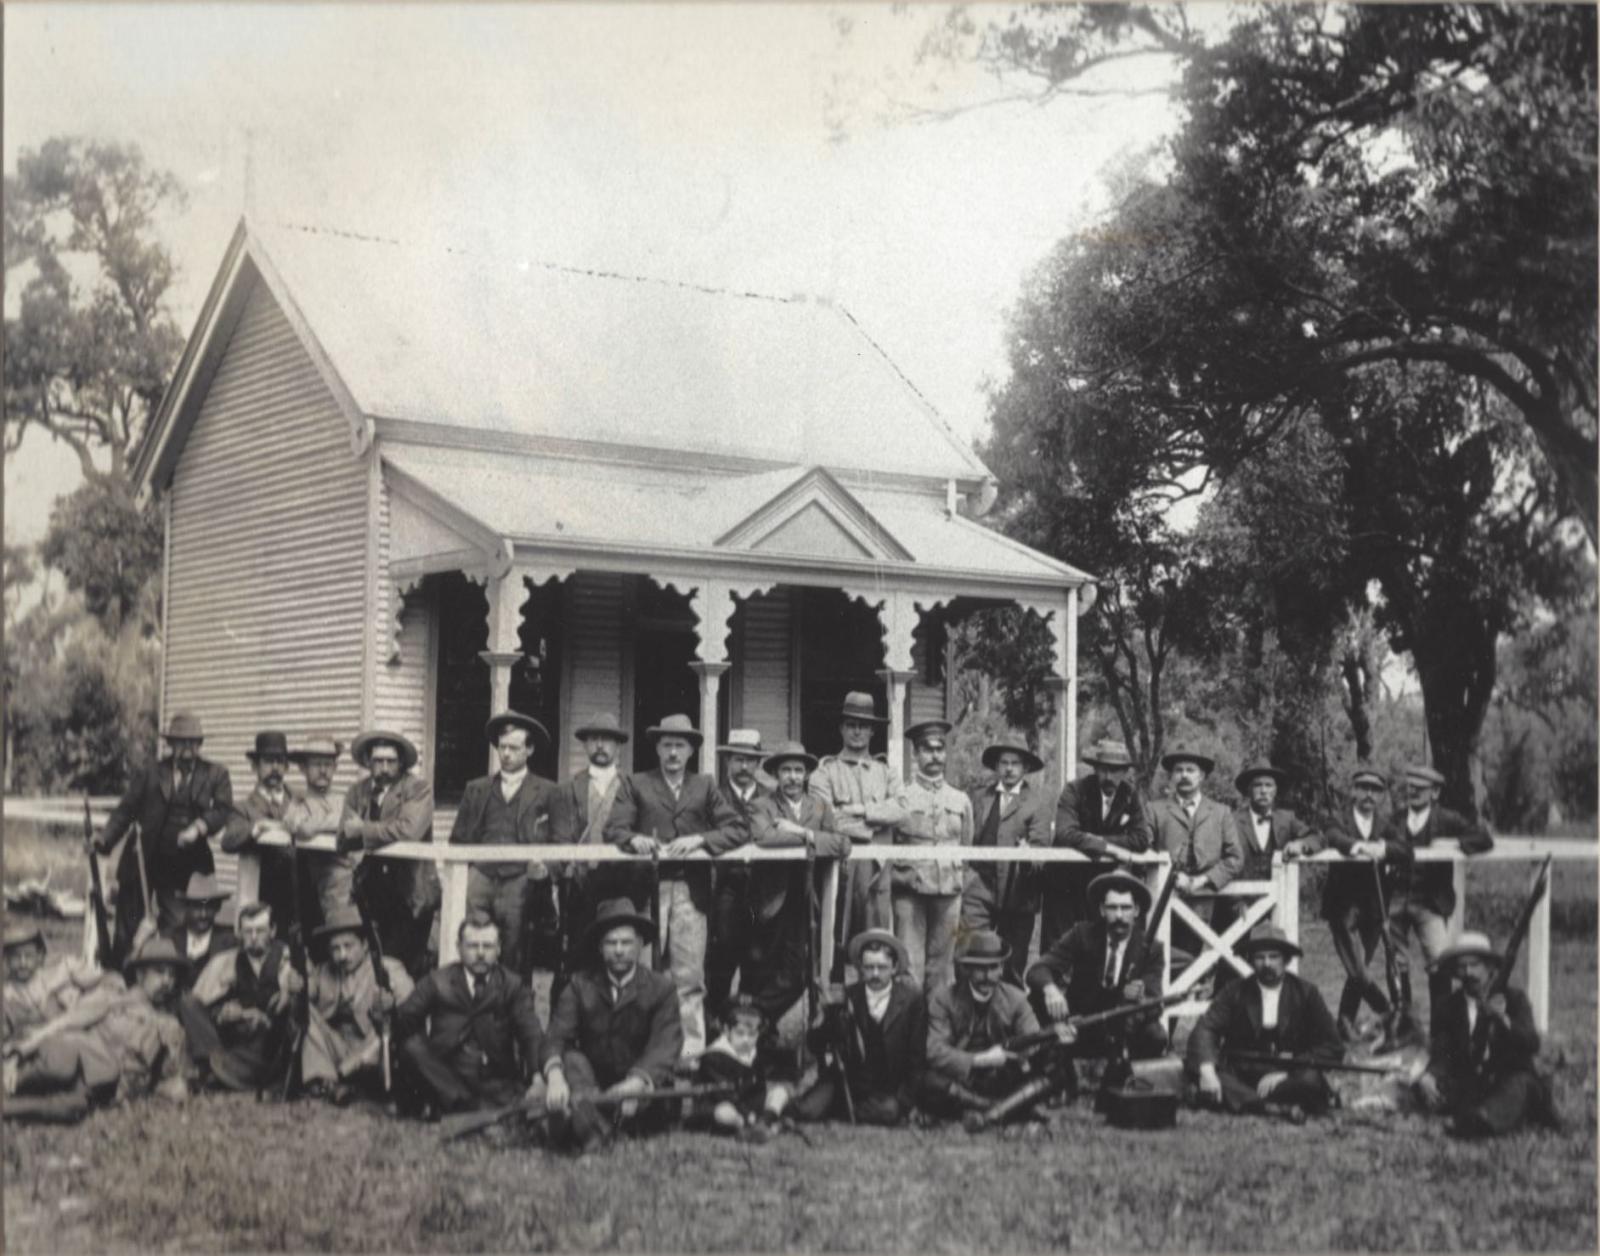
(404, 486)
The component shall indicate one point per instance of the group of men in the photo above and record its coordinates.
(945, 1017)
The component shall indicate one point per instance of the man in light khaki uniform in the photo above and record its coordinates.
(315, 811)
(927, 895)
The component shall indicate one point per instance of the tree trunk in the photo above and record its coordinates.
(1456, 665)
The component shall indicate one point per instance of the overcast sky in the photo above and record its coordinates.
(685, 141)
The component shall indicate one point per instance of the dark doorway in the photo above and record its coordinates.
(841, 649)
(663, 682)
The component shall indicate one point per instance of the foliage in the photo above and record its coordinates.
(109, 550)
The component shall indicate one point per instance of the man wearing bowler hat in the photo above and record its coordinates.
(672, 812)
(969, 1022)
(511, 807)
(1273, 1013)
(927, 895)
(200, 940)
(615, 1030)
(1007, 813)
(731, 910)
(178, 804)
(867, 805)
(1198, 833)
(314, 812)
(264, 811)
(580, 809)
(390, 805)
(1100, 815)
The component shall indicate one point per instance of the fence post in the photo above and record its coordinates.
(452, 908)
(249, 878)
(1539, 961)
(1286, 900)
(830, 912)
(1458, 878)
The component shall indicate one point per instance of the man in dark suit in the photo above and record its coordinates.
(878, 1038)
(776, 964)
(469, 1033)
(969, 1023)
(1099, 815)
(266, 810)
(508, 808)
(675, 813)
(732, 918)
(1200, 836)
(1274, 1013)
(615, 1030)
(178, 804)
(1009, 812)
(199, 940)
(580, 809)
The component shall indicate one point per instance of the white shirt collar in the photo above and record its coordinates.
(1269, 1005)
(602, 776)
(878, 1000)
(510, 783)
(1364, 822)
(1416, 821)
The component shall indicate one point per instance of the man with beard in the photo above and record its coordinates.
(265, 811)
(732, 922)
(927, 896)
(615, 1031)
(314, 812)
(244, 995)
(178, 804)
(1005, 896)
(469, 1032)
(580, 809)
(878, 1037)
(35, 992)
(1099, 815)
(509, 808)
(969, 1023)
(199, 941)
(1200, 836)
(343, 1050)
(1272, 1013)
(390, 805)
(113, 1045)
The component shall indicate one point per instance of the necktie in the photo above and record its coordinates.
(1110, 978)
(375, 810)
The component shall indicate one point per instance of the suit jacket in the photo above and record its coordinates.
(530, 814)
(404, 815)
(1286, 827)
(1084, 821)
(1473, 1062)
(645, 804)
(149, 802)
(1207, 846)
(641, 1035)
(569, 808)
(501, 1024)
(887, 1057)
(1431, 885)
(1077, 963)
(959, 1026)
(1233, 1023)
(739, 874)
(1350, 885)
(1010, 887)
(771, 884)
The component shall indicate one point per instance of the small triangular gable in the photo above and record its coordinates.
(427, 533)
(814, 517)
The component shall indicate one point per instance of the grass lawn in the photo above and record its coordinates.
(226, 1173)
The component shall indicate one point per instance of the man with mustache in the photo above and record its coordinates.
(927, 896)
(969, 1023)
(315, 811)
(242, 992)
(580, 809)
(1009, 812)
(1200, 836)
(1099, 815)
(265, 811)
(732, 920)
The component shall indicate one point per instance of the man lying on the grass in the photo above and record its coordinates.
(113, 1045)
(1274, 1013)
(614, 1031)
(1484, 1042)
(35, 991)
(469, 1033)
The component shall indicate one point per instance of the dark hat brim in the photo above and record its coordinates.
(343, 926)
(603, 926)
(515, 719)
(1246, 778)
(991, 757)
(1170, 761)
(769, 765)
(974, 960)
(656, 732)
(364, 743)
(1108, 881)
(847, 714)
(1097, 760)
(876, 937)
(1250, 946)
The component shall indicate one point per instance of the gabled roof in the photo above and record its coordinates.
(502, 345)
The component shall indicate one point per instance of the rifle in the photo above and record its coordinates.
(845, 1031)
(300, 1023)
(1287, 1062)
(97, 895)
(1397, 1023)
(1044, 1037)
(466, 1123)
(658, 957)
(385, 986)
(1519, 934)
(811, 943)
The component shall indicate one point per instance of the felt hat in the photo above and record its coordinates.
(19, 934)
(1369, 776)
(1030, 761)
(1469, 945)
(1108, 754)
(601, 724)
(1183, 754)
(184, 726)
(345, 918)
(1260, 767)
(984, 947)
(1269, 938)
(362, 747)
(783, 753)
(155, 951)
(877, 937)
(515, 719)
(917, 732)
(202, 888)
(268, 743)
(860, 706)
(746, 741)
(675, 726)
(1106, 882)
(1422, 772)
(320, 746)
(614, 912)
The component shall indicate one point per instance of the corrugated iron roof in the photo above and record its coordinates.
(440, 336)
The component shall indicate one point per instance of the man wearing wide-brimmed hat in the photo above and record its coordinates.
(390, 805)
(113, 1045)
(615, 1029)
(1199, 834)
(775, 963)
(1273, 1013)
(878, 1036)
(1008, 812)
(1481, 1069)
(679, 814)
(315, 812)
(969, 1023)
(199, 938)
(178, 803)
(867, 805)
(732, 916)
(510, 807)
(36, 991)
(266, 811)
(580, 809)
(342, 1053)
(926, 896)
(1100, 815)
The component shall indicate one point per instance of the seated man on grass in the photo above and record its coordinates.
(969, 1024)
(244, 996)
(35, 991)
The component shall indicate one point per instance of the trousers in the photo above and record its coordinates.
(683, 945)
(926, 926)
